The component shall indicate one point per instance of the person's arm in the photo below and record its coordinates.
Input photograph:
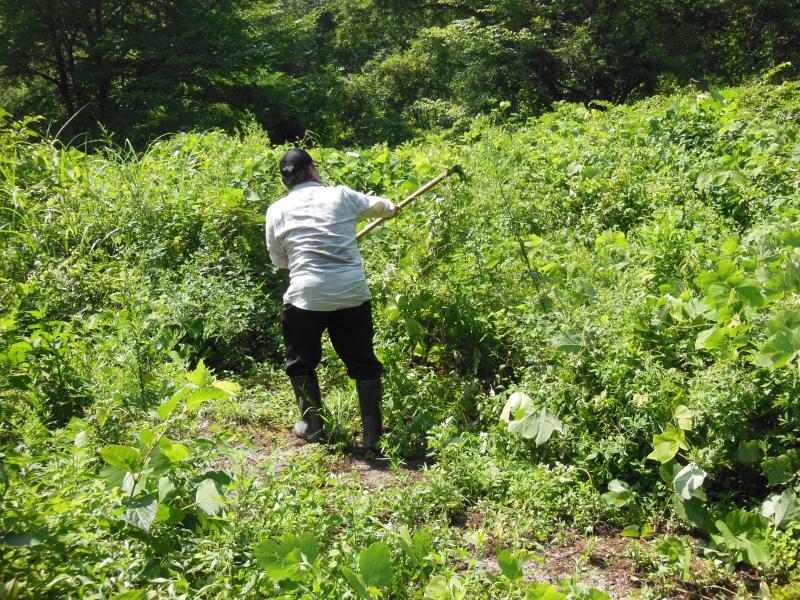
(371, 206)
(276, 252)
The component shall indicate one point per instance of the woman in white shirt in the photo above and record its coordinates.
(312, 232)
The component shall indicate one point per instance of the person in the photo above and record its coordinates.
(312, 232)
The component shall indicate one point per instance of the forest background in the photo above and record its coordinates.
(365, 71)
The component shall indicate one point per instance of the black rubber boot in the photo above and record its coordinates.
(369, 400)
(309, 401)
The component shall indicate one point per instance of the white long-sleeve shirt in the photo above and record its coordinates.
(312, 232)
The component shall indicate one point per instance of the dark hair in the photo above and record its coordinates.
(295, 167)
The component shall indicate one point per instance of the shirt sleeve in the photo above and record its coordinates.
(370, 206)
(276, 252)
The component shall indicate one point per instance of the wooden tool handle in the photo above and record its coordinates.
(433, 182)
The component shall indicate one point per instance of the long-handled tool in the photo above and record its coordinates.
(455, 169)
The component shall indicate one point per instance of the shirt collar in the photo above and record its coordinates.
(306, 184)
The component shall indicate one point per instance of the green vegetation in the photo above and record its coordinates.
(364, 71)
(596, 335)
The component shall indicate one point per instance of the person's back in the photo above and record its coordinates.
(312, 232)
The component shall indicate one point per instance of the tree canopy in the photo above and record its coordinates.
(359, 71)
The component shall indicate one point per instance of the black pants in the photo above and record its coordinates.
(350, 330)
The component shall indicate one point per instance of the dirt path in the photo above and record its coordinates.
(603, 561)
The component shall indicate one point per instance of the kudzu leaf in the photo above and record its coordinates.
(779, 470)
(781, 508)
(173, 451)
(445, 588)
(165, 489)
(750, 294)
(780, 348)
(200, 376)
(198, 397)
(422, 543)
(375, 564)
(20, 540)
(122, 457)
(694, 512)
(618, 494)
(748, 452)
(683, 416)
(538, 425)
(687, 480)
(516, 402)
(167, 408)
(545, 591)
(668, 470)
(745, 531)
(710, 339)
(208, 497)
(226, 386)
(665, 445)
(168, 514)
(281, 560)
(631, 531)
(511, 563)
(569, 343)
(308, 546)
(141, 513)
(358, 585)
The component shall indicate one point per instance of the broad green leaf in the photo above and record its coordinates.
(208, 497)
(668, 470)
(122, 457)
(173, 451)
(748, 452)
(749, 292)
(745, 531)
(538, 426)
(569, 343)
(781, 508)
(694, 512)
(446, 588)
(710, 339)
(282, 560)
(165, 489)
(665, 445)
(199, 397)
(132, 486)
(422, 543)
(375, 564)
(511, 563)
(355, 581)
(545, 591)
(308, 547)
(689, 479)
(631, 531)
(683, 417)
(141, 513)
(200, 376)
(779, 470)
(516, 402)
(618, 494)
(167, 408)
(169, 514)
(780, 348)
(17, 353)
(158, 464)
(20, 540)
(226, 386)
